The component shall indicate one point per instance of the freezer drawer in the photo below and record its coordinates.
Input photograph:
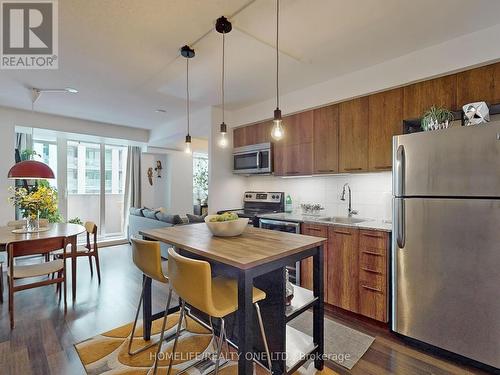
(456, 162)
(446, 274)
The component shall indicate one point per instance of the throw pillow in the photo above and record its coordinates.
(135, 211)
(169, 218)
(196, 218)
(150, 214)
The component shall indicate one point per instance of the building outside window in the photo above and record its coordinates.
(200, 178)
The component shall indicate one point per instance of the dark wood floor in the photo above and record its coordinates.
(42, 341)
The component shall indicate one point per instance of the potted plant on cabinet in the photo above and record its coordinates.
(436, 118)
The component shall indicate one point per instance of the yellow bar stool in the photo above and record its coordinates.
(217, 297)
(147, 257)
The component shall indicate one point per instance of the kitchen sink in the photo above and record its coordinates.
(342, 219)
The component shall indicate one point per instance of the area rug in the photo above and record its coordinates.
(107, 353)
(343, 345)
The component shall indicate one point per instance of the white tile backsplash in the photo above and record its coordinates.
(371, 192)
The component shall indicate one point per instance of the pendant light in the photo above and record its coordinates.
(188, 53)
(277, 131)
(223, 26)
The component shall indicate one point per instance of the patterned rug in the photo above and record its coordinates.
(107, 353)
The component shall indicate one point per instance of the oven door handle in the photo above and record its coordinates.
(280, 223)
(258, 160)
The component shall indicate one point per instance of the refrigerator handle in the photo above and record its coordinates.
(400, 170)
(400, 222)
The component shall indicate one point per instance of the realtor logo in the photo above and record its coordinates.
(29, 35)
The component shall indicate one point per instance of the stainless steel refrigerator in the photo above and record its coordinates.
(446, 240)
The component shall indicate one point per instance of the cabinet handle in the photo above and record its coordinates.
(371, 288)
(353, 169)
(341, 232)
(325, 170)
(315, 229)
(373, 235)
(383, 167)
(370, 270)
(292, 172)
(372, 253)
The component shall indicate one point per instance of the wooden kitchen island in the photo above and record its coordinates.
(258, 257)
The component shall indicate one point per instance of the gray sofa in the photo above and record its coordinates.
(143, 218)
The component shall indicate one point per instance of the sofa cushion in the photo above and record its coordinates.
(150, 214)
(196, 218)
(135, 211)
(169, 218)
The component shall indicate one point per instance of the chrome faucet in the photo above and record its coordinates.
(350, 211)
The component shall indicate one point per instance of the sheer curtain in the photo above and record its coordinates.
(132, 181)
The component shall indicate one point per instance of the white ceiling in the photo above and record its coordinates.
(122, 55)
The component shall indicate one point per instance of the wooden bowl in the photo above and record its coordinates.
(226, 228)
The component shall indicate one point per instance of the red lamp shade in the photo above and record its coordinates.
(31, 170)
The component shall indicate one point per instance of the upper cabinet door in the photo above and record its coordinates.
(239, 137)
(353, 133)
(298, 128)
(385, 113)
(419, 97)
(326, 139)
(479, 85)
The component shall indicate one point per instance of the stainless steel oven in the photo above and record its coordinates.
(290, 227)
(253, 159)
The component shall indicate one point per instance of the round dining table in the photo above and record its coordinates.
(69, 231)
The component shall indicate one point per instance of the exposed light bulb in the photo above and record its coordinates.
(277, 132)
(223, 140)
(187, 149)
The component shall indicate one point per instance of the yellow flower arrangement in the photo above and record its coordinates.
(39, 202)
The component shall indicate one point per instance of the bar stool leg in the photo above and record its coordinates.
(219, 346)
(160, 342)
(177, 334)
(264, 338)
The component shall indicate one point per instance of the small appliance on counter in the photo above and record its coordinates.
(253, 159)
(259, 203)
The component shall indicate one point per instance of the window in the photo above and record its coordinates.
(46, 152)
(200, 178)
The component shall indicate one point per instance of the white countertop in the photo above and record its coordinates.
(299, 217)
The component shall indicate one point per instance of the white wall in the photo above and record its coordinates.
(371, 192)
(156, 195)
(178, 173)
(225, 189)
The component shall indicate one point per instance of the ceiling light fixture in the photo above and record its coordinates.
(36, 93)
(277, 131)
(188, 53)
(223, 26)
(160, 110)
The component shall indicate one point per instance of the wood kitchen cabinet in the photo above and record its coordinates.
(420, 96)
(306, 266)
(373, 274)
(293, 155)
(252, 134)
(326, 139)
(385, 120)
(343, 267)
(478, 85)
(353, 135)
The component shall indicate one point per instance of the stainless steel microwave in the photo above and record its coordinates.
(253, 159)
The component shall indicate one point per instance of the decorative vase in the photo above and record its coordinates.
(33, 222)
(288, 289)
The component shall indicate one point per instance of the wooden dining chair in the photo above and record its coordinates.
(16, 272)
(20, 224)
(89, 250)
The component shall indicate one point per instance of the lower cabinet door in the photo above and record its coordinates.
(343, 268)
